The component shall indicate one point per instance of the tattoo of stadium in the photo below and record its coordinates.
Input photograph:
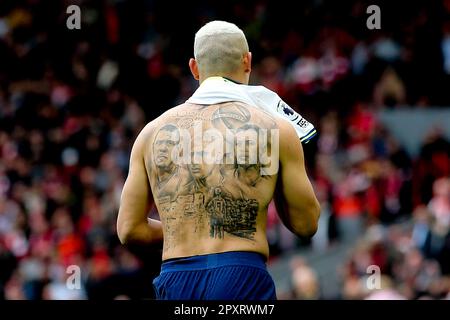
(234, 216)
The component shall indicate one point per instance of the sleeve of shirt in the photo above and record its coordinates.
(272, 103)
(305, 129)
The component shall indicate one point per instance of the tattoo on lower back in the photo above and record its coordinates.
(234, 216)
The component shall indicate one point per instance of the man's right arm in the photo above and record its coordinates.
(294, 197)
(133, 225)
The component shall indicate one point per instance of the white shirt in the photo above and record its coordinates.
(218, 90)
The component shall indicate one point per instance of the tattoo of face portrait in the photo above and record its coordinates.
(166, 140)
(199, 173)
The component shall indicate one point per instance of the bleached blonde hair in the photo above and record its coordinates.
(219, 47)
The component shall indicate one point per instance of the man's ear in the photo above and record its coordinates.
(194, 68)
(248, 62)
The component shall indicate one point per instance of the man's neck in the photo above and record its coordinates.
(233, 78)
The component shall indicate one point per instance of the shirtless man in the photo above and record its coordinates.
(214, 237)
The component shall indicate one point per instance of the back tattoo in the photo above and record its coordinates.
(208, 164)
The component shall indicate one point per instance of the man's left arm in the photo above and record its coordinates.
(133, 224)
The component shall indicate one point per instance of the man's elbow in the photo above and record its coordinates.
(124, 233)
(124, 238)
(308, 228)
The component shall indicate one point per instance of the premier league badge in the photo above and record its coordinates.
(284, 109)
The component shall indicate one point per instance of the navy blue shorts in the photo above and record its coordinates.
(219, 276)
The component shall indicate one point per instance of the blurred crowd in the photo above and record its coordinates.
(73, 101)
(397, 262)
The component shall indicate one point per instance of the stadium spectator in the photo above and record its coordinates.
(72, 102)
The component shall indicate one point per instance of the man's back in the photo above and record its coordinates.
(212, 171)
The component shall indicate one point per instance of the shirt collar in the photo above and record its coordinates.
(218, 78)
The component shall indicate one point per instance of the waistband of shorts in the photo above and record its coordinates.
(215, 260)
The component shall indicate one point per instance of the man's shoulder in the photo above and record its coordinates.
(164, 117)
(286, 130)
(261, 92)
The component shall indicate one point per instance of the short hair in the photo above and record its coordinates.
(219, 47)
(171, 128)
